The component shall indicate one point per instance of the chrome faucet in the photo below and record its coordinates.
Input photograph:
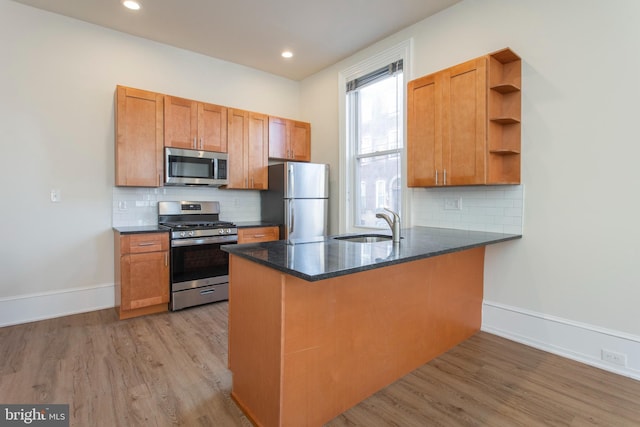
(393, 224)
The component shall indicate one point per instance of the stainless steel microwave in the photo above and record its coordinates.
(194, 167)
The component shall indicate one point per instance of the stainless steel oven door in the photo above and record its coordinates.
(199, 262)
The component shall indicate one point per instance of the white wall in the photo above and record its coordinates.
(57, 82)
(578, 260)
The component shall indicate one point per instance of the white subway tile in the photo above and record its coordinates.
(483, 208)
(142, 203)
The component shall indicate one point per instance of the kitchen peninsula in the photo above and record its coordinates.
(315, 328)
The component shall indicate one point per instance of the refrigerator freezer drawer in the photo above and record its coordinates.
(305, 220)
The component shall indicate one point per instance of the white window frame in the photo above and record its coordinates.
(347, 178)
(381, 194)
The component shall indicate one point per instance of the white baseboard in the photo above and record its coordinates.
(574, 340)
(47, 305)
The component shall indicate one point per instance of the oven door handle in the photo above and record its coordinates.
(205, 240)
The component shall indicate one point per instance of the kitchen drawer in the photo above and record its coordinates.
(144, 242)
(258, 234)
(203, 295)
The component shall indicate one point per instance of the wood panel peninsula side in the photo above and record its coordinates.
(316, 328)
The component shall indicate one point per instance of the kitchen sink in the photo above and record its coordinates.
(365, 238)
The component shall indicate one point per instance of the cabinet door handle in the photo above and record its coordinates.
(251, 182)
(146, 243)
(436, 176)
(445, 177)
(195, 142)
(166, 259)
(257, 236)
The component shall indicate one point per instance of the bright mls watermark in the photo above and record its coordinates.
(34, 415)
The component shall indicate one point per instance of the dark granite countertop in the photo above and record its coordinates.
(141, 229)
(333, 258)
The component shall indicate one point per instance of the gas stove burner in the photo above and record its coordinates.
(180, 218)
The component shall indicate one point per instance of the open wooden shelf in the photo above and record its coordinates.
(505, 56)
(505, 88)
(504, 152)
(504, 107)
(505, 120)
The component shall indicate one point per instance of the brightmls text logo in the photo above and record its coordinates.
(34, 415)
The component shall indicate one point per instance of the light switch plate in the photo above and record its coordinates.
(55, 196)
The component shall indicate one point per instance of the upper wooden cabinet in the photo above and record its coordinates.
(248, 149)
(146, 122)
(463, 124)
(289, 139)
(139, 133)
(194, 125)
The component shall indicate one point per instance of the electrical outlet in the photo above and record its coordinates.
(453, 204)
(614, 357)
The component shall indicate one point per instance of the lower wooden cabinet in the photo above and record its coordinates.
(141, 273)
(258, 234)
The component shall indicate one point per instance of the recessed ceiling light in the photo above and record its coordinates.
(131, 4)
(287, 54)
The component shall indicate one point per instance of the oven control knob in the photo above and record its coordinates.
(228, 231)
(221, 231)
(182, 234)
(191, 233)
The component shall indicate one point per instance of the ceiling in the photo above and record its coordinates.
(255, 32)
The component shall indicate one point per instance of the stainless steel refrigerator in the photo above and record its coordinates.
(298, 200)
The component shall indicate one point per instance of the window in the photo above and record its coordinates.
(374, 134)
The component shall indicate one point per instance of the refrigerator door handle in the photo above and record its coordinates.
(290, 184)
(291, 217)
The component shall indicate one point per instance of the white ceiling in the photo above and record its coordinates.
(254, 32)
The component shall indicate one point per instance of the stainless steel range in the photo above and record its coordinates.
(199, 267)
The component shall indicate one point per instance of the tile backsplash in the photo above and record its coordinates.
(483, 208)
(139, 206)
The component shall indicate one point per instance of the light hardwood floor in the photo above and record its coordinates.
(170, 369)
